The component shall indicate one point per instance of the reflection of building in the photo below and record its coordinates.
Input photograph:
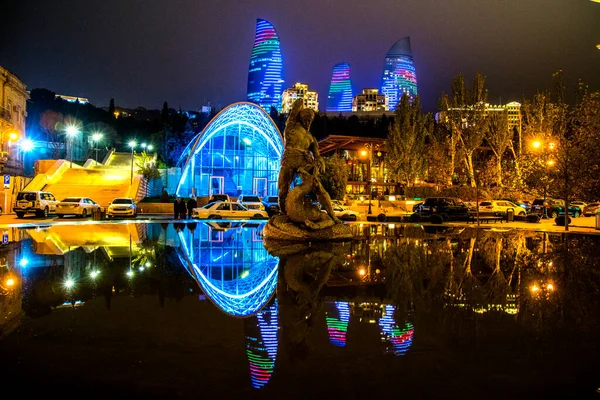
(299, 91)
(339, 98)
(232, 267)
(337, 317)
(13, 103)
(265, 74)
(397, 341)
(370, 100)
(261, 345)
(399, 75)
(238, 152)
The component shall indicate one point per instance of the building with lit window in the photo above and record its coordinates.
(13, 104)
(340, 95)
(299, 91)
(72, 99)
(399, 74)
(265, 74)
(512, 111)
(238, 152)
(369, 100)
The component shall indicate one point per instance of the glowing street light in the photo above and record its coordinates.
(150, 147)
(94, 274)
(71, 131)
(10, 282)
(23, 263)
(132, 144)
(130, 274)
(96, 137)
(69, 283)
(537, 144)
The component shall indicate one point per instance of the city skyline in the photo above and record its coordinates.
(191, 56)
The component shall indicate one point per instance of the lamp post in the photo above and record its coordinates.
(26, 146)
(547, 163)
(369, 153)
(132, 144)
(95, 139)
(72, 131)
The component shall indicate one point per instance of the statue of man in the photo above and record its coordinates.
(301, 149)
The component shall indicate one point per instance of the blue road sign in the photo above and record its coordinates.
(5, 238)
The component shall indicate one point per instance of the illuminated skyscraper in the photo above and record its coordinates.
(399, 75)
(265, 75)
(340, 89)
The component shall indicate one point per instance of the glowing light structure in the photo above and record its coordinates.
(261, 345)
(231, 266)
(340, 94)
(399, 75)
(337, 326)
(398, 341)
(265, 74)
(239, 152)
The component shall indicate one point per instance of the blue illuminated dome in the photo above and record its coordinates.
(399, 74)
(239, 152)
(231, 266)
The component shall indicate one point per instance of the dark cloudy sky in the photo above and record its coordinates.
(191, 52)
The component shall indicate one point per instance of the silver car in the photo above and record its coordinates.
(122, 207)
(78, 206)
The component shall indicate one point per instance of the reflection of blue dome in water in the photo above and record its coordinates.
(239, 152)
(232, 267)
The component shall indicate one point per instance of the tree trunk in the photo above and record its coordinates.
(470, 169)
(517, 165)
(499, 171)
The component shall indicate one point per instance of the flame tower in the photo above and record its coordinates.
(265, 74)
(399, 75)
(340, 89)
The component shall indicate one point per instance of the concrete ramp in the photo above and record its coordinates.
(119, 161)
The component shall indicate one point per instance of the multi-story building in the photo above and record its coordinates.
(369, 100)
(72, 99)
(265, 74)
(339, 98)
(512, 110)
(299, 91)
(399, 74)
(13, 103)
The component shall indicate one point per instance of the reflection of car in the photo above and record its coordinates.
(226, 209)
(39, 203)
(218, 197)
(500, 207)
(271, 204)
(591, 209)
(122, 207)
(251, 202)
(78, 206)
(345, 214)
(449, 208)
(554, 208)
(224, 226)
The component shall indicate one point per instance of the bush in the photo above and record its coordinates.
(164, 197)
(560, 220)
(533, 218)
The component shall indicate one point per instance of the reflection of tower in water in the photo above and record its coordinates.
(337, 326)
(261, 344)
(397, 341)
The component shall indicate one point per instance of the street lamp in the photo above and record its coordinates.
(26, 146)
(96, 137)
(547, 163)
(71, 131)
(132, 144)
(150, 147)
(364, 153)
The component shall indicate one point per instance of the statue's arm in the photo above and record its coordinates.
(296, 108)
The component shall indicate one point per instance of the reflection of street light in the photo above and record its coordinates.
(71, 131)
(95, 140)
(132, 144)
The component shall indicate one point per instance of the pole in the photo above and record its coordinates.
(96, 147)
(71, 152)
(131, 180)
(369, 177)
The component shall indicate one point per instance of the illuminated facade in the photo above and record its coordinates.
(299, 91)
(13, 104)
(399, 75)
(231, 266)
(261, 345)
(397, 341)
(339, 98)
(239, 152)
(265, 74)
(370, 100)
(337, 317)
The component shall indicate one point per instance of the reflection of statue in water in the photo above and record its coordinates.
(304, 270)
(301, 219)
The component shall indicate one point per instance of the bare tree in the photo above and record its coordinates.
(498, 136)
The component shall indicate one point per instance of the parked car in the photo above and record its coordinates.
(271, 204)
(521, 203)
(449, 208)
(554, 208)
(122, 207)
(591, 209)
(500, 207)
(251, 202)
(228, 210)
(338, 203)
(218, 197)
(345, 213)
(39, 203)
(580, 204)
(77, 206)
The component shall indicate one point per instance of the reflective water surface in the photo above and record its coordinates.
(212, 310)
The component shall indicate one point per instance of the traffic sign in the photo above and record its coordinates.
(6, 181)
(5, 238)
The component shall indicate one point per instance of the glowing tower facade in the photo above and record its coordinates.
(399, 75)
(340, 94)
(265, 74)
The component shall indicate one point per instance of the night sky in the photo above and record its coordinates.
(191, 52)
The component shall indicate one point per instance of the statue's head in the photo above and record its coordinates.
(306, 117)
